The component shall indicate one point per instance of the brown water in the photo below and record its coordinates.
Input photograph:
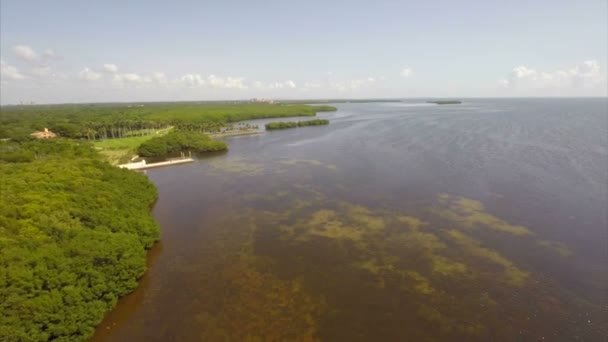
(482, 221)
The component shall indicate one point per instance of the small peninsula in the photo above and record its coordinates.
(180, 141)
(294, 124)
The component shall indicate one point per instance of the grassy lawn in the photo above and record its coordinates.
(120, 150)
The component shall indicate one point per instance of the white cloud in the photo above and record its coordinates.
(128, 77)
(212, 81)
(348, 84)
(26, 53)
(48, 53)
(41, 71)
(406, 72)
(122, 79)
(312, 85)
(159, 78)
(282, 85)
(585, 76)
(289, 84)
(110, 68)
(341, 85)
(10, 72)
(193, 80)
(503, 83)
(226, 83)
(89, 75)
(522, 71)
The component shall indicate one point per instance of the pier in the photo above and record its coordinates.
(142, 165)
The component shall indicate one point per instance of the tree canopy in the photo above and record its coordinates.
(73, 238)
(178, 141)
(101, 121)
(294, 124)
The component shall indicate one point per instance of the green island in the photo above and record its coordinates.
(293, 124)
(74, 229)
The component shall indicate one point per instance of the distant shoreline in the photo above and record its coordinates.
(445, 102)
(294, 101)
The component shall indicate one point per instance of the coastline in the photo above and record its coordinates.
(232, 134)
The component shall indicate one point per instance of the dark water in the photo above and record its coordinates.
(398, 221)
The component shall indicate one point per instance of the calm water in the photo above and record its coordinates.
(398, 221)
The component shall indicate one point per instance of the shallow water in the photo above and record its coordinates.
(398, 221)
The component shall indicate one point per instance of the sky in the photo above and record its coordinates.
(127, 51)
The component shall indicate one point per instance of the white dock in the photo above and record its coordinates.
(142, 165)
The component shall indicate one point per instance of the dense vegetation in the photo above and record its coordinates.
(34, 149)
(101, 121)
(178, 141)
(293, 124)
(73, 237)
(281, 125)
(316, 122)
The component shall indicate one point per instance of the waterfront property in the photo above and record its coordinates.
(45, 134)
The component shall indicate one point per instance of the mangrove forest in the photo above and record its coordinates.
(294, 124)
(179, 141)
(73, 237)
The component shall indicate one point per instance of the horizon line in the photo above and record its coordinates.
(308, 100)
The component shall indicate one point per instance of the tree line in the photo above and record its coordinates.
(293, 124)
(103, 121)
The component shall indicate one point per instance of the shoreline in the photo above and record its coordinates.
(232, 134)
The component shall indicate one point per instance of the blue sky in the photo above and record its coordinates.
(96, 51)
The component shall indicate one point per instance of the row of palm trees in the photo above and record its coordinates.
(120, 129)
(113, 129)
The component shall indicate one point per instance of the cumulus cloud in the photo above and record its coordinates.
(406, 72)
(9, 72)
(227, 83)
(281, 85)
(110, 68)
(586, 75)
(312, 85)
(289, 84)
(193, 80)
(159, 78)
(128, 77)
(43, 71)
(342, 85)
(213, 81)
(26, 53)
(50, 54)
(89, 75)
